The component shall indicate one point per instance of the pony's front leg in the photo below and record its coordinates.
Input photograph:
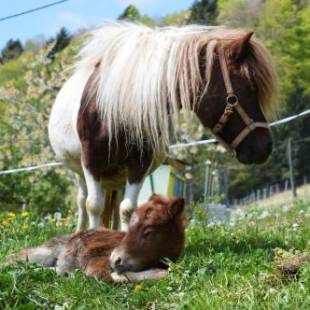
(81, 200)
(129, 203)
(94, 201)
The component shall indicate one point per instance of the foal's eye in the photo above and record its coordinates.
(148, 234)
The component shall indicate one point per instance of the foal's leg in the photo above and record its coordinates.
(129, 202)
(94, 201)
(151, 274)
(81, 200)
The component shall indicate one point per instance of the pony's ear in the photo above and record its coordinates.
(176, 207)
(238, 49)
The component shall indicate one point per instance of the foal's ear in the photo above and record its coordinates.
(159, 199)
(176, 207)
(239, 48)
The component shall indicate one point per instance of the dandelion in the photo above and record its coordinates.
(5, 222)
(11, 216)
(24, 214)
(138, 288)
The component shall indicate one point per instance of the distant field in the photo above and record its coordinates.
(223, 267)
(303, 192)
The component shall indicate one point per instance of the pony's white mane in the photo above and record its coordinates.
(146, 75)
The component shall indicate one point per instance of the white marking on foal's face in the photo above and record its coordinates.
(120, 261)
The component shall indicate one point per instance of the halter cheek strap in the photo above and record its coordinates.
(232, 105)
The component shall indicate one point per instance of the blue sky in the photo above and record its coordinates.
(73, 15)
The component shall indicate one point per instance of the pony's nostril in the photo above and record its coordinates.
(118, 261)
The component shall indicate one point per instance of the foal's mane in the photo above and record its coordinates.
(146, 75)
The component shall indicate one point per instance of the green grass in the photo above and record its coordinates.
(223, 267)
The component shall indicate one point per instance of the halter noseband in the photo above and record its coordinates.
(232, 105)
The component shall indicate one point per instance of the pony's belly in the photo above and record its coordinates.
(116, 180)
(62, 129)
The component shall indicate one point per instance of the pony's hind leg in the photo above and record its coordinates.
(94, 201)
(81, 200)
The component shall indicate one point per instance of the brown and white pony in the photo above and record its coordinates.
(114, 118)
(156, 232)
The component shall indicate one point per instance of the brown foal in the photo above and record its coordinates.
(156, 232)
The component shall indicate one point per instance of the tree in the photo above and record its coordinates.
(203, 12)
(12, 50)
(239, 13)
(130, 13)
(178, 18)
(24, 139)
(61, 42)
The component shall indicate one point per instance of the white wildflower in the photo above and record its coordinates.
(263, 215)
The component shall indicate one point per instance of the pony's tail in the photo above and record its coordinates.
(45, 255)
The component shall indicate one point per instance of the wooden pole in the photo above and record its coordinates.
(207, 173)
(290, 164)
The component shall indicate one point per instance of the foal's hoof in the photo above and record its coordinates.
(118, 278)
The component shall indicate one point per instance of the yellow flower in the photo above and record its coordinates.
(5, 222)
(138, 288)
(24, 214)
(11, 216)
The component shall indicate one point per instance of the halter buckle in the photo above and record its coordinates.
(232, 99)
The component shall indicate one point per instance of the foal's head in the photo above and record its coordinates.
(156, 231)
(253, 84)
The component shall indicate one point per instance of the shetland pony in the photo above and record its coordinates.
(156, 232)
(114, 119)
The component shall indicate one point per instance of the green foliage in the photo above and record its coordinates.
(24, 140)
(203, 12)
(239, 13)
(14, 71)
(131, 13)
(278, 27)
(12, 50)
(178, 18)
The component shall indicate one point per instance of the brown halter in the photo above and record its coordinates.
(232, 105)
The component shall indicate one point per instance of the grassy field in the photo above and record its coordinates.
(303, 192)
(224, 267)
